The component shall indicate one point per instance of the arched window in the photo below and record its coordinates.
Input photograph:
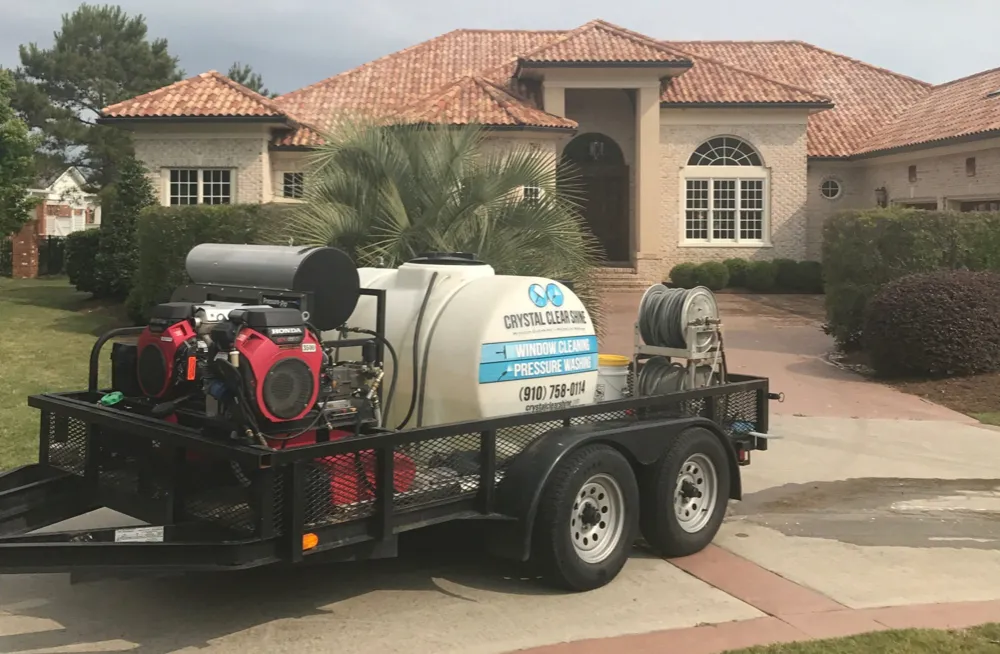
(724, 151)
(725, 190)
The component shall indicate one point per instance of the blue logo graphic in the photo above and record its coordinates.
(537, 295)
(554, 295)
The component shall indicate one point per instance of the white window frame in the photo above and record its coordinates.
(711, 173)
(302, 185)
(201, 170)
(840, 189)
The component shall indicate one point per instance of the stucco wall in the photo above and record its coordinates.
(781, 142)
(245, 152)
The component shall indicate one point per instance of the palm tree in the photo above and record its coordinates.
(387, 193)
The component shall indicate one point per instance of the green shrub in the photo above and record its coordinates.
(165, 235)
(117, 257)
(787, 274)
(712, 275)
(935, 324)
(737, 271)
(762, 276)
(80, 258)
(684, 275)
(809, 277)
(864, 250)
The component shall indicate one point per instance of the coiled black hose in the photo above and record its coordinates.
(660, 319)
(660, 376)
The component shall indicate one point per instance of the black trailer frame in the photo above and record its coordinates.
(92, 456)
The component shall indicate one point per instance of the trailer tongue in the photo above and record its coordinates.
(243, 435)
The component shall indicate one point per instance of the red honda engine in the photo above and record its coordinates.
(166, 351)
(280, 360)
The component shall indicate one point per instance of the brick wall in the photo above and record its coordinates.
(24, 247)
(939, 178)
(247, 155)
(783, 149)
(856, 192)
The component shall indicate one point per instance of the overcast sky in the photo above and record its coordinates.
(296, 42)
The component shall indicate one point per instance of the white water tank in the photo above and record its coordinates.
(488, 345)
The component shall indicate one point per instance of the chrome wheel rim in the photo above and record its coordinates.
(696, 493)
(597, 520)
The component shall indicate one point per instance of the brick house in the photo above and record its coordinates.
(690, 150)
(63, 206)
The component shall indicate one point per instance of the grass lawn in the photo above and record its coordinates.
(46, 332)
(979, 640)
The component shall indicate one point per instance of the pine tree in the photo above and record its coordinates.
(100, 56)
(244, 74)
(117, 256)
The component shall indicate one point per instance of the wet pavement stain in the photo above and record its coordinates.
(962, 513)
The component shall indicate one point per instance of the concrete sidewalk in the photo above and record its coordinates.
(793, 613)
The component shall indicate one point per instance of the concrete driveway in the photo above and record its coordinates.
(873, 498)
(780, 337)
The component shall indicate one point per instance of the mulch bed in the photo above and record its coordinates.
(968, 395)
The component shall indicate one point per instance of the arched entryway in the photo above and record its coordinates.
(598, 166)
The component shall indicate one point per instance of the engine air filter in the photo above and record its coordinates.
(152, 371)
(288, 388)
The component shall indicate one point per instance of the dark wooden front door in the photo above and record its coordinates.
(599, 164)
(605, 208)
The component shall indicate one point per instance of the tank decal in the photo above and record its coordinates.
(537, 349)
(551, 357)
(490, 373)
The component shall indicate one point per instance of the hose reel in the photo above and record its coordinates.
(667, 315)
(677, 323)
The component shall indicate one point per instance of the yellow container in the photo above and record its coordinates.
(612, 377)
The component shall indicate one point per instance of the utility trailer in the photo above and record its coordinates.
(569, 489)
(242, 436)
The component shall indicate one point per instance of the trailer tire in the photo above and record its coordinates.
(591, 483)
(685, 494)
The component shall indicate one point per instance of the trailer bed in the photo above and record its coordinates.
(285, 505)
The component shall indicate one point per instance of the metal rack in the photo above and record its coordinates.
(702, 330)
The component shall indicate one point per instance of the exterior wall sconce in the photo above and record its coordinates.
(881, 197)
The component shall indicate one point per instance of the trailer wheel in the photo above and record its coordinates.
(685, 494)
(587, 519)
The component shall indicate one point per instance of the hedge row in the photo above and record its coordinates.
(165, 235)
(864, 250)
(782, 275)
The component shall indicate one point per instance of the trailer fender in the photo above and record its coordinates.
(520, 491)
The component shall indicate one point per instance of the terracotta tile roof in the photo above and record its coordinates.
(963, 107)
(478, 101)
(397, 80)
(865, 97)
(598, 41)
(466, 75)
(303, 137)
(208, 94)
(711, 82)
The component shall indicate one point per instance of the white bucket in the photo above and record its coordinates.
(612, 377)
